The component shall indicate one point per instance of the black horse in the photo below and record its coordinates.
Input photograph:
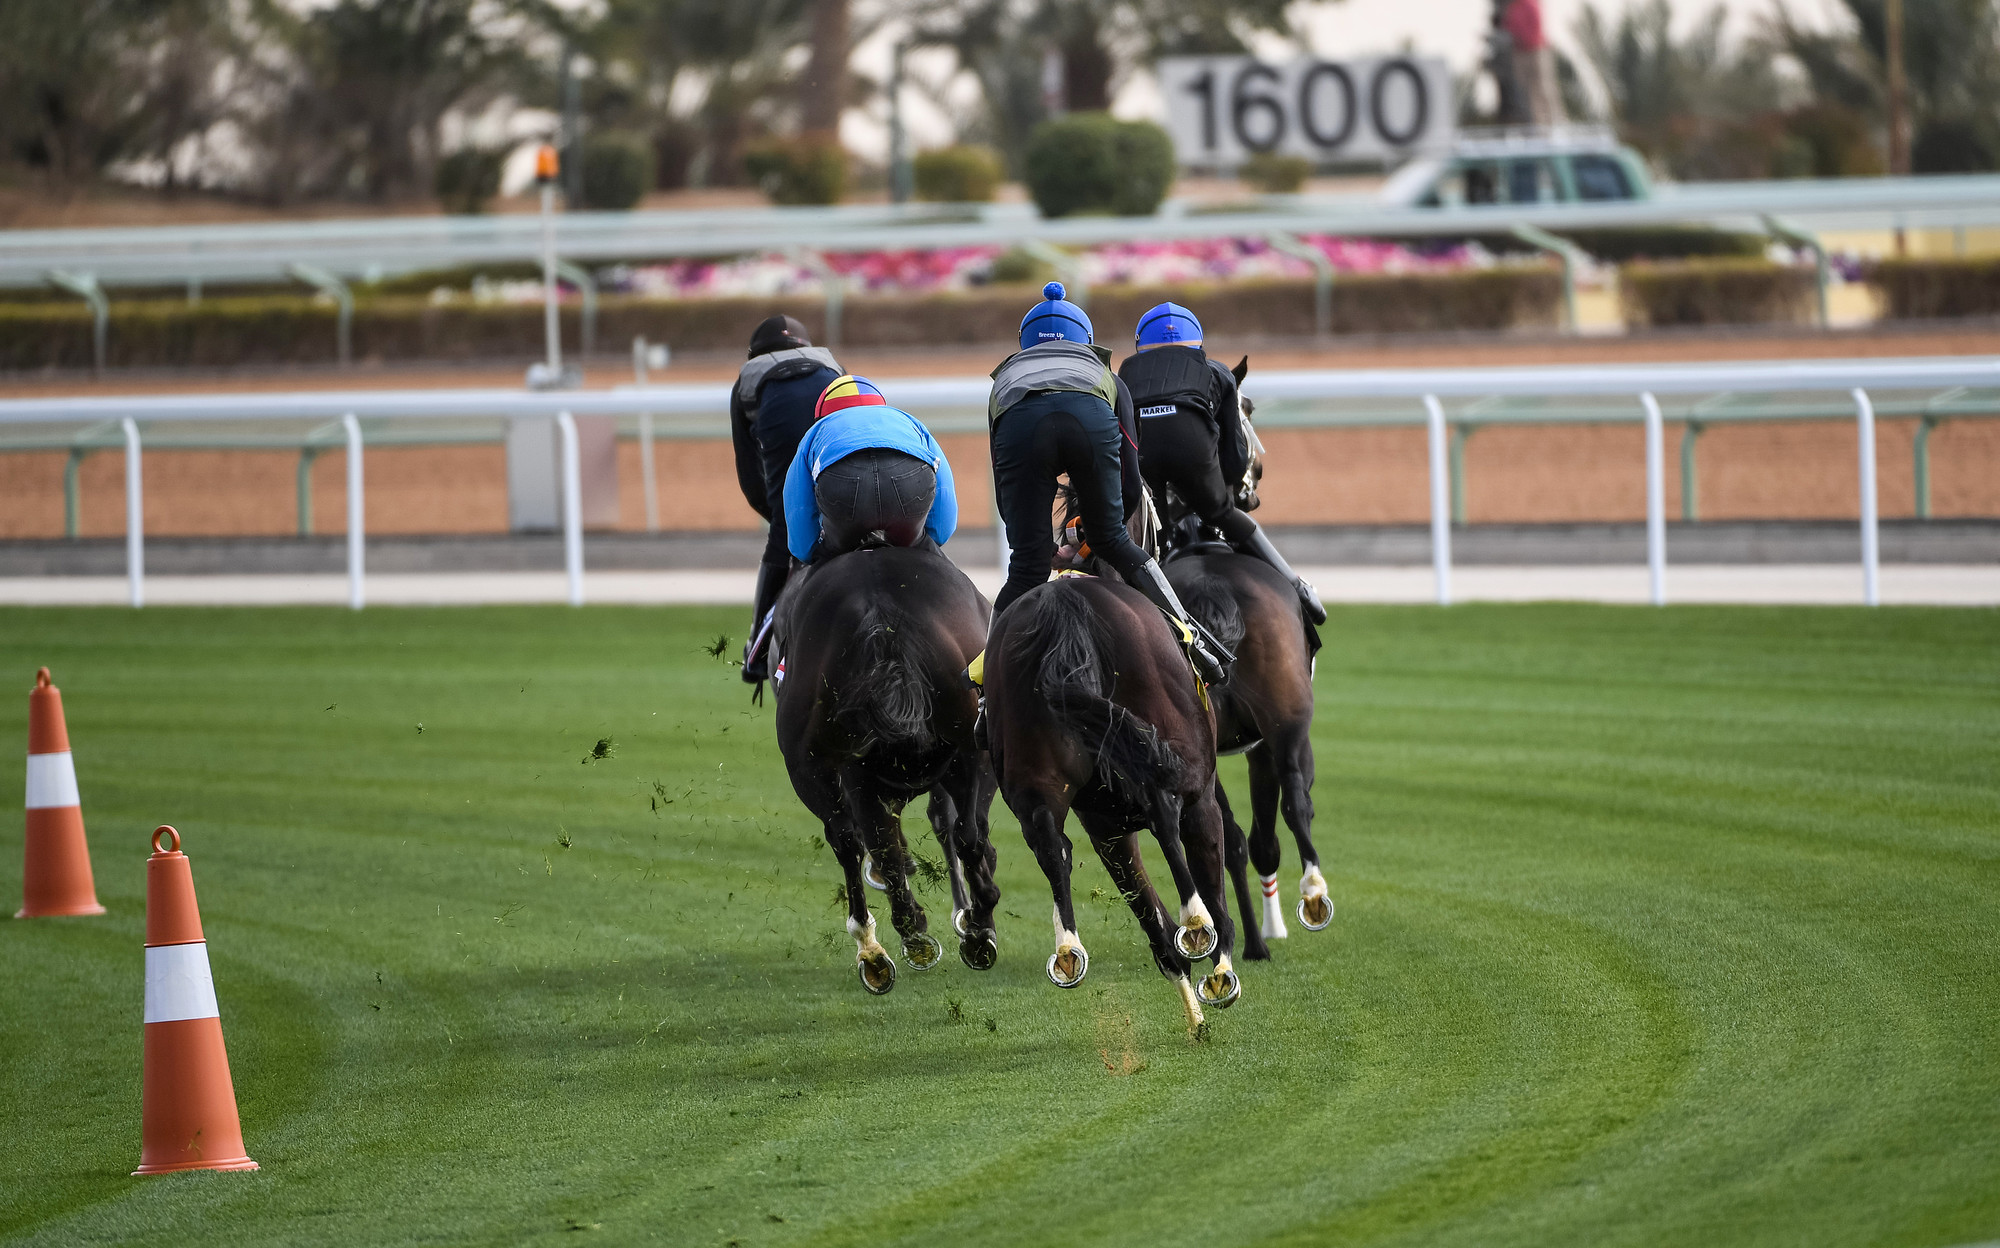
(873, 710)
(1092, 707)
(1263, 710)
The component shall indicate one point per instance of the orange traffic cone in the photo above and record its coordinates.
(56, 880)
(190, 1104)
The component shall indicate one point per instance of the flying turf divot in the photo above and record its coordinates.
(55, 878)
(190, 1120)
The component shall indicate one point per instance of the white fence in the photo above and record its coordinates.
(1958, 387)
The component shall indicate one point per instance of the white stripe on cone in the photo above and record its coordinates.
(52, 781)
(178, 984)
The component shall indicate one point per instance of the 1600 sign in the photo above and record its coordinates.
(1223, 109)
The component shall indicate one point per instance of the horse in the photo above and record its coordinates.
(1263, 710)
(872, 711)
(1092, 707)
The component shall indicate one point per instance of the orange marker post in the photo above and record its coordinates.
(56, 877)
(189, 1102)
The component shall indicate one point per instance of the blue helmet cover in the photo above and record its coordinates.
(1167, 325)
(1055, 318)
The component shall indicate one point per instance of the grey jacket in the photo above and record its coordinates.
(1053, 365)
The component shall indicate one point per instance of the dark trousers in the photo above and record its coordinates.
(869, 491)
(1037, 440)
(1179, 452)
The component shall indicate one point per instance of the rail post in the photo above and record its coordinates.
(1461, 433)
(1656, 500)
(303, 489)
(586, 286)
(572, 507)
(356, 515)
(1440, 502)
(85, 286)
(1822, 268)
(72, 491)
(1297, 248)
(327, 284)
(135, 514)
(1690, 434)
(648, 473)
(1864, 428)
(1568, 253)
(1920, 465)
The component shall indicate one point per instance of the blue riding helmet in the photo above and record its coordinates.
(1055, 318)
(1167, 325)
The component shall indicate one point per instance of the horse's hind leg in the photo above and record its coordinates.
(878, 972)
(973, 861)
(1041, 824)
(1265, 853)
(1288, 763)
(1196, 936)
(1201, 826)
(1236, 854)
(878, 815)
(1120, 855)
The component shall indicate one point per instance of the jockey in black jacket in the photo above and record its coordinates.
(770, 410)
(1191, 435)
(1057, 408)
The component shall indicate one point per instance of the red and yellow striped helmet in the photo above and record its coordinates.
(848, 391)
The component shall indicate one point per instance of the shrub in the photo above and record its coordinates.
(468, 179)
(617, 170)
(1274, 174)
(1665, 242)
(810, 169)
(964, 174)
(1017, 264)
(1721, 291)
(1920, 289)
(1092, 162)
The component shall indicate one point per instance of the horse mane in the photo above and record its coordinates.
(1074, 677)
(885, 698)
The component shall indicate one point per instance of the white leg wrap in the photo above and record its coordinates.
(1274, 909)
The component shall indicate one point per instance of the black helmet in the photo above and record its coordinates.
(776, 333)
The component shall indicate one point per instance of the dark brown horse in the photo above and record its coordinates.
(873, 710)
(1092, 707)
(1263, 710)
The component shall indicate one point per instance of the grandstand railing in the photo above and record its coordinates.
(1931, 390)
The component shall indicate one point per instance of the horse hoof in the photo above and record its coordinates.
(923, 951)
(980, 950)
(1068, 965)
(1316, 912)
(872, 877)
(878, 974)
(1195, 943)
(1219, 989)
(958, 923)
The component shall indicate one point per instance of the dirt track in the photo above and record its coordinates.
(1791, 471)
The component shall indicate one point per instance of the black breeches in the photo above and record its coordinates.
(871, 490)
(1179, 452)
(1037, 440)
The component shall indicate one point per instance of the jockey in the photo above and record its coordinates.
(770, 409)
(1057, 408)
(864, 468)
(1191, 434)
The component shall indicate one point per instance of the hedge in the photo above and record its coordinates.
(1716, 292)
(274, 330)
(1922, 289)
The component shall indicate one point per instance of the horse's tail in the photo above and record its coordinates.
(1075, 677)
(887, 698)
(1210, 600)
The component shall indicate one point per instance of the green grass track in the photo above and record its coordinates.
(1655, 927)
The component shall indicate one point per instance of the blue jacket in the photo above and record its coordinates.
(841, 434)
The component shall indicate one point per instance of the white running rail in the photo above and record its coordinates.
(702, 411)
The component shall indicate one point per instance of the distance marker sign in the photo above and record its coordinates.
(1221, 110)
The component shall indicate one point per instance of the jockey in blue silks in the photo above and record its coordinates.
(866, 468)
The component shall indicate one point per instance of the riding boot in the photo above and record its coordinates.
(1259, 545)
(771, 579)
(1211, 657)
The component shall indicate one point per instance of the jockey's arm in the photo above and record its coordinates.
(1232, 447)
(749, 457)
(943, 520)
(801, 507)
(1128, 447)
